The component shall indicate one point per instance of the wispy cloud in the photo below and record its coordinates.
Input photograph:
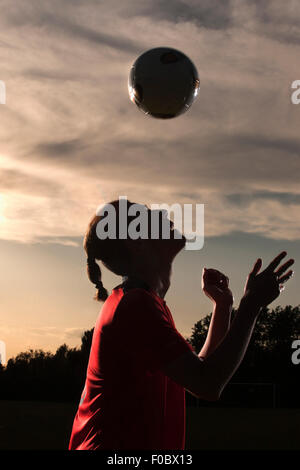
(70, 137)
(244, 199)
(58, 333)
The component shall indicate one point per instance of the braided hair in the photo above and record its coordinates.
(94, 275)
(113, 253)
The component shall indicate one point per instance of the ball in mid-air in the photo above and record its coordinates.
(163, 82)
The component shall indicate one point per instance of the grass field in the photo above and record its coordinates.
(40, 425)
(242, 428)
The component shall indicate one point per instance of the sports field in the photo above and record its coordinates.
(40, 425)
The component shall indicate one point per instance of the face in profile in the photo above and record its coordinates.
(165, 239)
(148, 232)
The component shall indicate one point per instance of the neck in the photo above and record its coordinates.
(159, 282)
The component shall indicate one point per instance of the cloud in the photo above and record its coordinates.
(71, 139)
(24, 183)
(274, 143)
(55, 74)
(58, 333)
(73, 333)
(45, 331)
(212, 14)
(49, 20)
(48, 338)
(65, 241)
(278, 21)
(63, 25)
(244, 199)
(59, 149)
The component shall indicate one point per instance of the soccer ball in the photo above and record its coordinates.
(163, 83)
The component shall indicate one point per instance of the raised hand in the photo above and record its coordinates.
(262, 288)
(216, 286)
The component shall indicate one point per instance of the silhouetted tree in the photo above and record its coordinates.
(39, 375)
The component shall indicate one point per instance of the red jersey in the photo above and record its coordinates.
(127, 401)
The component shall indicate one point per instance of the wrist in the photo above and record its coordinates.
(223, 304)
(250, 304)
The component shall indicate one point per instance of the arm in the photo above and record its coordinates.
(207, 377)
(223, 362)
(216, 286)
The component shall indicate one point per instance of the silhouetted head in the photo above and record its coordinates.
(130, 245)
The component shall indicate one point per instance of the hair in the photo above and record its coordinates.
(113, 253)
(94, 275)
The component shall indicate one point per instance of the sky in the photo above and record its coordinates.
(70, 139)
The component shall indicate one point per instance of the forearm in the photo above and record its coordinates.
(218, 328)
(222, 363)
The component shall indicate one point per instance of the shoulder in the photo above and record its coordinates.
(139, 304)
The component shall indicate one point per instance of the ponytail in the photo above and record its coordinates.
(94, 275)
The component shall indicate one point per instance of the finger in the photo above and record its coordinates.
(276, 261)
(286, 277)
(284, 267)
(256, 267)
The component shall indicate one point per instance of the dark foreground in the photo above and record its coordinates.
(40, 425)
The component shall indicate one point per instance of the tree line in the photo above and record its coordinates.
(60, 376)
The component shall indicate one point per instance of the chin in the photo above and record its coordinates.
(172, 246)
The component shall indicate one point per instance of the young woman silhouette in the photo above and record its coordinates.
(140, 365)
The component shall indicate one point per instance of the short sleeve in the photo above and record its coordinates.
(147, 329)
